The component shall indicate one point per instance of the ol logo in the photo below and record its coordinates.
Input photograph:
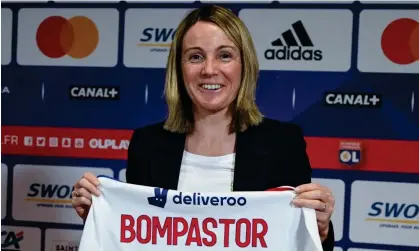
(350, 153)
(11, 240)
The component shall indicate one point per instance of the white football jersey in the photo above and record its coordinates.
(131, 217)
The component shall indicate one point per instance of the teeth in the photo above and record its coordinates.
(211, 87)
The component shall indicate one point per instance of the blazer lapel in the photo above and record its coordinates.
(251, 146)
(166, 162)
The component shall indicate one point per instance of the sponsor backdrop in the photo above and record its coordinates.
(78, 78)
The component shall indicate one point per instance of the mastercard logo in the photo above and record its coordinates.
(400, 41)
(76, 37)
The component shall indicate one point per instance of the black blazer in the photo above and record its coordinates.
(269, 155)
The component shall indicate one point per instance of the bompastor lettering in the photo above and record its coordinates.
(198, 232)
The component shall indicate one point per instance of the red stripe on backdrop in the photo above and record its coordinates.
(376, 155)
(65, 142)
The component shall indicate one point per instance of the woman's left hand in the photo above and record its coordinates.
(320, 198)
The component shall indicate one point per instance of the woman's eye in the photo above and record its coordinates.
(195, 58)
(225, 56)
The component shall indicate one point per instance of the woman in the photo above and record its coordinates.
(215, 139)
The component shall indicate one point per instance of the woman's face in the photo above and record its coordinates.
(211, 67)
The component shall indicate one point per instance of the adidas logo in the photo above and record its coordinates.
(294, 47)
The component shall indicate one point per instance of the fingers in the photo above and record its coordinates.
(318, 205)
(314, 195)
(81, 211)
(319, 198)
(331, 201)
(315, 192)
(82, 192)
(322, 219)
(91, 178)
(81, 202)
(308, 203)
(310, 187)
(87, 185)
(89, 182)
(82, 199)
(321, 225)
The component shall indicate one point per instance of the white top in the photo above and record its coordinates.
(132, 217)
(205, 173)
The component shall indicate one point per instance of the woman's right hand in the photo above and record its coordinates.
(82, 194)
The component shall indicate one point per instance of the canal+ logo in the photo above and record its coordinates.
(196, 199)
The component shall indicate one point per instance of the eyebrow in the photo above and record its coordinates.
(218, 48)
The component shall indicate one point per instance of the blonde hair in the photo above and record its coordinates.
(245, 111)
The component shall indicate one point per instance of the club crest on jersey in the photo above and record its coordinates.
(350, 153)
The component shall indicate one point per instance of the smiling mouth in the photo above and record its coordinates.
(213, 87)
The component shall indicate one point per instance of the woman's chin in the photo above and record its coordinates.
(212, 107)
